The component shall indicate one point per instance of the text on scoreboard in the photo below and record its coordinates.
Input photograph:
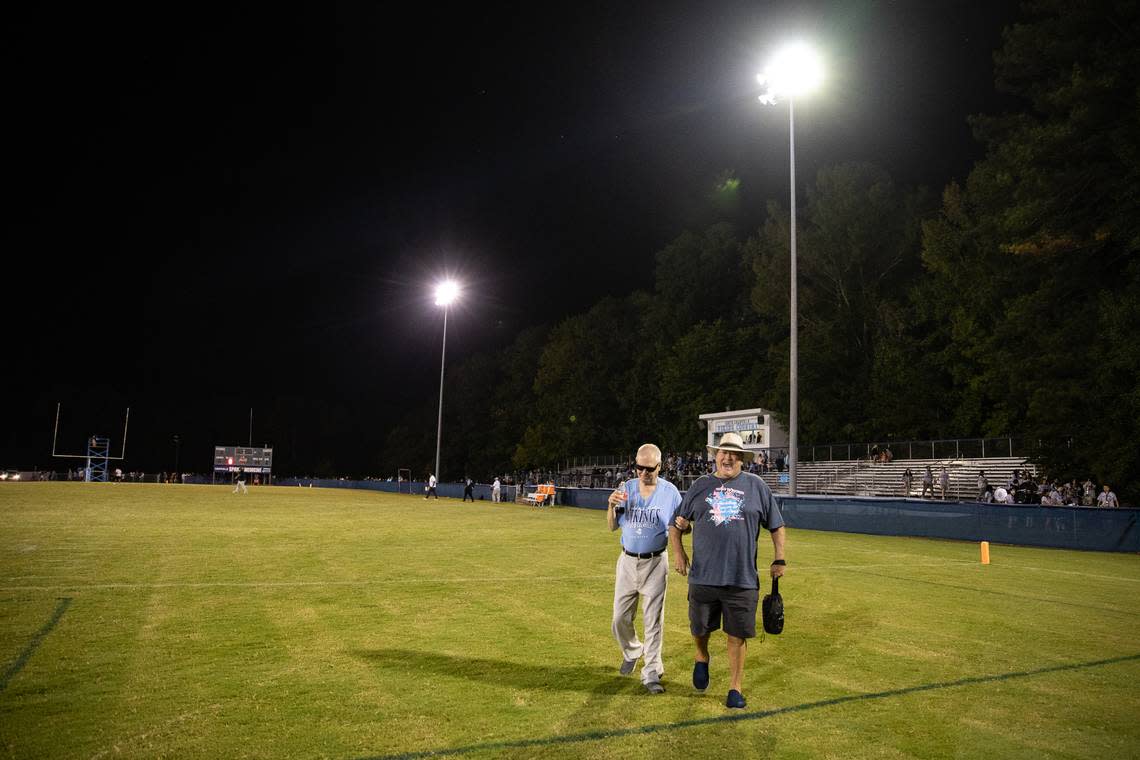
(243, 459)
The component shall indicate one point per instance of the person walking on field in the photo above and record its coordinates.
(469, 489)
(643, 508)
(430, 490)
(496, 490)
(726, 511)
(239, 483)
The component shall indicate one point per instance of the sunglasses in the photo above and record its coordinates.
(645, 468)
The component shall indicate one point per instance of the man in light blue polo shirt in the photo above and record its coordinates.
(644, 509)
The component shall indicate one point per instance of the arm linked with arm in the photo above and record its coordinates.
(677, 550)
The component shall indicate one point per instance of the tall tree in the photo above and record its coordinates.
(579, 385)
(857, 252)
(1033, 263)
(700, 277)
(713, 367)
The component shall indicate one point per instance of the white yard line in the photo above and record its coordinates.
(937, 563)
(945, 562)
(1071, 572)
(409, 581)
(305, 584)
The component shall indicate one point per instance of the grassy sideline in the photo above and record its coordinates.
(185, 621)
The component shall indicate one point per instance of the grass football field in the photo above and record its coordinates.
(186, 621)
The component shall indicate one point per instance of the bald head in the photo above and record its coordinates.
(649, 454)
(647, 464)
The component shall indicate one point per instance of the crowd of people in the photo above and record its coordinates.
(680, 468)
(1021, 488)
(683, 468)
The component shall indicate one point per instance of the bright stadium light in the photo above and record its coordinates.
(794, 71)
(445, 294)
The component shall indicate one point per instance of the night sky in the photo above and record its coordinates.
(211, 210)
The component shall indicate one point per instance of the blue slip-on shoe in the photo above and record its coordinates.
(700, 676)
(735, 699)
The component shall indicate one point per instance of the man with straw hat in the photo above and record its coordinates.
(725, 511)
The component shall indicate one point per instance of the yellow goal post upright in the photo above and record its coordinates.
(98, 456)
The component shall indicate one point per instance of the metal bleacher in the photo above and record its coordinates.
(865, 478)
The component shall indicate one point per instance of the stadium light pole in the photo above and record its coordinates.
(795, 70)
(445, 293)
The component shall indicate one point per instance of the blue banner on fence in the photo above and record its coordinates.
(1061, 527)
(1112, 530)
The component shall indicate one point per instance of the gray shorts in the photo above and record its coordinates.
(736, 606)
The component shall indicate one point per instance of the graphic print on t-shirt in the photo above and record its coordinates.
(726, 504)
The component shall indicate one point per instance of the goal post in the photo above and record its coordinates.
(98, 455)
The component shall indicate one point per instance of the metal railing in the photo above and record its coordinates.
(942, 448)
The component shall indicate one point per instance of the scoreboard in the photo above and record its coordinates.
(243, 459)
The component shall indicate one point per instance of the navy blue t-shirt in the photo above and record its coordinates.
(727, 516)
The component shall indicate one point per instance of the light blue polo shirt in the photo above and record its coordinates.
(645, 524)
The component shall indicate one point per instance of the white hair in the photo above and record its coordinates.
(651, 451)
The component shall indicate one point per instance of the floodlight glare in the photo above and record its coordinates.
(446, 292)
(795, 70)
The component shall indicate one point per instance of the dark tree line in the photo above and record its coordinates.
(1007, 308)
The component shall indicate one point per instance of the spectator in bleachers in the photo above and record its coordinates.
(983, 486)
(943, 481)
(908, 482)
(927, 482)
(1107, 498)
(1068, 492)
(1088, 493)
(1026, 491)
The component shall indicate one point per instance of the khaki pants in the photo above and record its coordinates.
(645, 578)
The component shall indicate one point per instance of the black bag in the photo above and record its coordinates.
(773, 609)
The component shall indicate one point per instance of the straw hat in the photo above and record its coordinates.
(733, 442)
